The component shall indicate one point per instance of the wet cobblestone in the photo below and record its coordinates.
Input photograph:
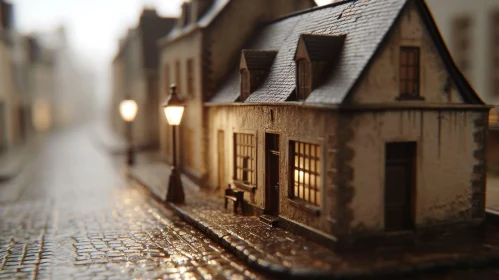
(78, 219)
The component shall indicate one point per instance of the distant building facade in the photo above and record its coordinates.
(135, 76)
(471, 29)
(12, 114)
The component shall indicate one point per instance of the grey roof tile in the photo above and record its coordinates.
(364, 21)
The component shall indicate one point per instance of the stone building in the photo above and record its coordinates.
(350, 120)
(197, 55)
(135, 76)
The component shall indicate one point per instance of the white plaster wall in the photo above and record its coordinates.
(188, 47)
(444, 11)
(444, 139)
(291, 123)
(444, 165)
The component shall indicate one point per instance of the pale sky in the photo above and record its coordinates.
(93, 26)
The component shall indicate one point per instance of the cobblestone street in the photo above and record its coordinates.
(69, 214)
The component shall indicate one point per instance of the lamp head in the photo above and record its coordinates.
(173, 107)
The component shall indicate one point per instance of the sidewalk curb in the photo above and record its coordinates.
(246, 252)
(252, 257)
(257, 261)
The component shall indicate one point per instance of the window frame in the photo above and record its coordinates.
(167, 79)
(461, 32)
(405, 82)
(317, 159)
(178, 76)
(303, 92)
(493, 49)
(244, 150)
(245, 84)
(190, 76)
(189, 151)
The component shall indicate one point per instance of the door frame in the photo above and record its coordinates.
(412, 184)
(267, 203)
(221, 158)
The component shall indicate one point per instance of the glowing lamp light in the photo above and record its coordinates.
(174, 107)
(128, 110)
(174, 114)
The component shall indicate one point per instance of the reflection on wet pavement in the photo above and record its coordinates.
(75, 217)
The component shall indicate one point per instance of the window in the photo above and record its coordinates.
(178, 79)
(190, 77)
(167, 79)
(461, 35)
(409, 71)
(305, 169)
(245, 84)
(494, 53)
(245, 158)
(304, 79)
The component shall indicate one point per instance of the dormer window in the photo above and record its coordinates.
(253, 68)
(304, 79)
(315, 58)
(245, 84)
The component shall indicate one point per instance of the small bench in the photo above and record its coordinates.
(236, 196)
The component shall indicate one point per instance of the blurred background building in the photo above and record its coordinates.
(471, 30)
(135, 76)
(42, 85)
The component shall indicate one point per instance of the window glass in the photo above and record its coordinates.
(306, 172)
(245, 154)
(409, 71)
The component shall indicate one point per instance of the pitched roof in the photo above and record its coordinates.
(258, 60)
(204, 21)
(366, 23)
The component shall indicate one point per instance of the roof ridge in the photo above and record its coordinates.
(313, 9)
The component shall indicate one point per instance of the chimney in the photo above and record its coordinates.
(7, 14)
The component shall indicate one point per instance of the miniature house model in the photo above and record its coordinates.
(350, 119)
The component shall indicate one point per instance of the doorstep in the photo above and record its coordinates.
(281, 253)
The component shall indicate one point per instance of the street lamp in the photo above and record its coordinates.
(128, 111)
(174, 109)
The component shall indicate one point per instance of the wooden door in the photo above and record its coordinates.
(399, 185)
(221, 158)
(272, 174)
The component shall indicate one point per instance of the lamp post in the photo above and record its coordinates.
(174, 109)
(128, 111)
